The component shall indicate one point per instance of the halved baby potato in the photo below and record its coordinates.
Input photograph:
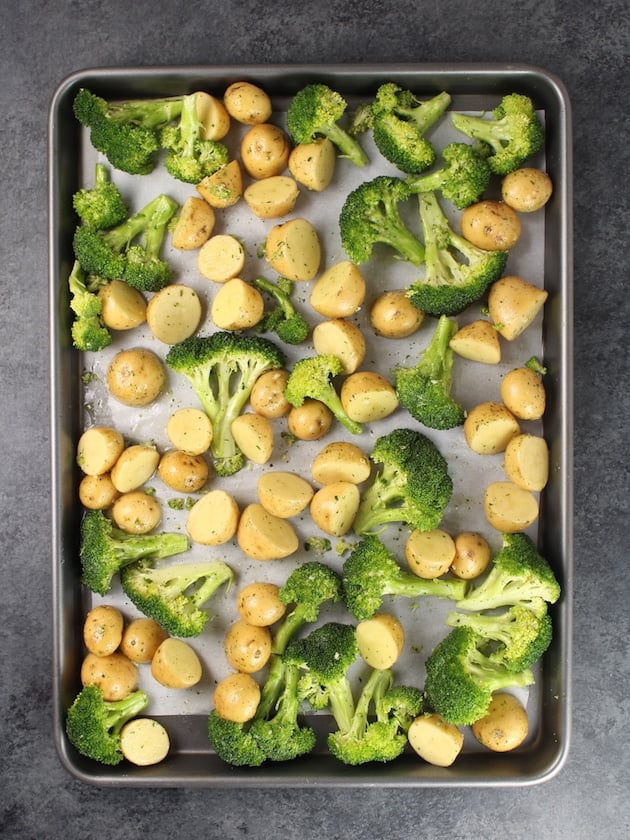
(523, 392)
(136, 464)
(183, 471)
(136, 512)
(367, 396)
(122, 306)
(313, 164)
(221, 258)
(103, 629)
(430, 554)
(194, 224)
(380, 640)
(176, 664)
(144, 741)
(526, 462)
(267, 396)
(253, 434)
(477, 341)
(97, 492)
(141, 638)
(237, 305)
(213, 519)
(114, 674)
(284, 494)
(265, 150)
(258, 603)
(98, 449)
(339, 291)
(334, 507)
(273, 197)
(247, 103)
(342, 339)
(190, 430)
(508, 507)
(263, 536)
(513, 303)
(293, 249)
(435, 740)
(491, 225)
(136, 376)
(489, 426)
(341, 461)
(224, 187)
(174, 313)
(393, 315)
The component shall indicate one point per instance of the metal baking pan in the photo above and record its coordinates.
(192, 762)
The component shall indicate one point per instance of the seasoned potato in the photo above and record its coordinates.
(435, 740)
(122, 307)
(135, 465)
(98, 449)
(144, 741)
(477, 341)
(221, 258)
(368, 396)
(97, 492)
(174, 313)
(263, 536)
(334, 506)
(430, 554)
(141, 638)
(526, 462)
(265, 150)
(523, 392)
(526, 189)
(313, 164)
(247, 103)
(508, 507)
(339, 291)
(341, 461)
(267, 397)
(393, 315)
(213, 116)
(513, 303)
(284, 494)
(253, 434)
(183, 471)
(342, 339)
(491, 225)
(194, 224)
(136, 376)
(258, 603)
(136, 512)
(273, 197)
(176, 664)
(505, 725)
(114, 674)
(236, 697)
(380, 640)
(237, 305)
(103, 629)
(247, 646)
(224, 187)
(213, 519)
(488, 428)
(472, 555)
(309, 421)
(293, 249)
(190, 430)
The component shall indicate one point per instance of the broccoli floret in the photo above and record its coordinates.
(413, 485)
(462, 177)
(510, 135)
(129, 251)
(88, 331)
(127, 133)
(460, 678)
(371, 214)
(399, 125)
(457, 273)
(284, 320)
(100, 206)
(222, 369)
(371, 572)
(515, 638)
(318, 545)
(233, 742)
(190, 157)
(315, 111)
(424, 389)
(93, 724)
(518, 575)
(174, 595)
(105, 549)
(311, 378)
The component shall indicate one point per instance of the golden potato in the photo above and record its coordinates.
(247, 646)
(190, 430)
(141, 638)
(267, 397)
(134, 467)
(488, 428)
(194, 224)
(144, 741)
(491, 225)
(183, 471)
(472, 555)
(284, 494)
(429, 554)
(313, 164)
(223, 188)
(174, 313)
(334, 507)
(513, 304)
(97, 492)
(236, 697)
(393, 315)
(341, 461)
(435, 740)
(508, 507)
(309, 421)
(213, 519)
(505, 725)
(273, 197)
(263, 536)
(221, 258)
(136, 376)
(253, 434)
(136, 512)
(122, 307)
(368, 396)
(103, 629)
(258, 603)
(237, 305)
(114, 674)
(213, 116)
(247, 103)
(380, 640)
(477, 341)
(526, 462)
(342, 339)
(339, 291)
(265, 150)
(176, 664)
(526, 189)
(523, 392)
(98, 449)
(293, 249)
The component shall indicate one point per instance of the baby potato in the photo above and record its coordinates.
(263, 536)
(334, 507)
(434, 740)
(144, 741)
(224, 187)
(313, 164)
(523, 392)
(526, 462)
(237, 306)
(508, 507)
(253, 434)
(267, 397)
(136, 376)
(114, 674)
(136, 512)
(236, 697)
(183, 471)
(135, 465)
(368, 396)
(103, 630)
(190, 430)
(339, 291)
(472, 555)
(284, 494)
(213, 519)
(98, 449)
(393, 315)
(380, 640)
(526, 189)
(141, 638)
(293, 249)
(174, 313)
(491, 225)
(265, 150)
(258, 604)
(309, 421)
(221, 258)
(213, 116)
(273, 197)
(477, 341)
(488, 428)
(122, 307)
(175, 664)
(342, 339)
(505, 725)
(97, 492)
(513, 303)
(430, 554)
(247, 103)
(247, 646)
(194, 224)
(341, 461)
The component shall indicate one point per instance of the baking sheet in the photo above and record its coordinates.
(542, 255)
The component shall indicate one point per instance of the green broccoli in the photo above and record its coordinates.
(413, 485)
(190, 157)
(311, 377)
(233, 742)
(127, 133)
(100, 206)
(371, 572)
(105, 549)
(460, 678)
(457, 273)
(315, 111)
(400, 123)
(509, 136)
(222, 369)
(518, 575)
(174, 595)
(284, 319)
(371, 214)
(88, 331)
(424, 389)
(462, 177)
(93, 724)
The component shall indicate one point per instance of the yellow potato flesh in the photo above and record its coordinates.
(144, 742)
(477, 341)
(430, 554)
(263, 536)
(284, 494)
(340, 461)
(237, 305)
(98, 449)
(313, 164)
(176, 665)
(194, 225)
(190, 430)
(339, 291)
(174, 313)
(380, 640)
(224, 187)
(513, 303)
(213, 519)
(293, 250)
(526, 462)
(334, 507)
(253, 434)
(435, 740)
(368, 396)
(122, 307)
(505, 725)
(489, 427)
(508, 507)
(342, 339)
(221, 258)
(135, 465)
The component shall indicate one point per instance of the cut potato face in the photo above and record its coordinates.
(508, 507)
(174, 313)
(175, 664)
(122, 307)
(393, 315)
(342, 339)
(513, 303)
(435, 740)
(263, 536)
(213, 116)
(334, 506)
(213, 519)
(380, 640)
(340, 290)
(293, 250)
(144, 741)
(272, 198)
(313, 164)
(98, 449)
(224, 187)
(477, 341)
(284, 494)
(141, 638)
(523, 392)
(505, 725)
(194, 224)
(526, 462)
(489, 427)
(253, 434)
(341, 461)
(221, 258)
(430, 554)
(237, 305)
(368, 396)
(190, 430)
(136, 464)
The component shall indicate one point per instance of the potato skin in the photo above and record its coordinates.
(103, 629)
(491, 225)
(136, 376)
(505, 725)
(526, 189)
(114, 674)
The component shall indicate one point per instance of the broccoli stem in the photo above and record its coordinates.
(347, 145)
(118, 238)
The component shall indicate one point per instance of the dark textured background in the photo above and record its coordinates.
(586, 46)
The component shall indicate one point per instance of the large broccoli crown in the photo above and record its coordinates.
(311, 377)
(190, 157)
(100, 206)
(462, 177)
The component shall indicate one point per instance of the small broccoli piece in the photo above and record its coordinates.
(518, 575)
(318, 545)
(424, 389)
(533, 363)
(515, 638)
(457, 273)
(413, 485)
(127, 133)
(311, 377)
(462, 177)
(100, 206)
(315, 111)
(400, 123)
(190, 157)
(105, 549)
(93, 724)
(145, 270)
(284, 320)
(88, 331)
(174, 596)
(371, 214)
(233, 742)
(222, 369)
(460, 678)
(509, 136)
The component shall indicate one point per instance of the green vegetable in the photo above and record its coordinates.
(311, 377)
(189, 157)
(462, 177)
(284, 319)
(88, 331)
(100, 206)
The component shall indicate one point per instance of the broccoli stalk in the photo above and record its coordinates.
(88, 331)
(311, 378)
(222, 369)
(413, 485)
(93, 724)
(174, 596)
(105, 549)
(457, 273)
(462, 177)
(424, 389)
(371, 214)
(284, 320)
(100, 206)
(315, 111)
(145, 270)
(190, 157)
